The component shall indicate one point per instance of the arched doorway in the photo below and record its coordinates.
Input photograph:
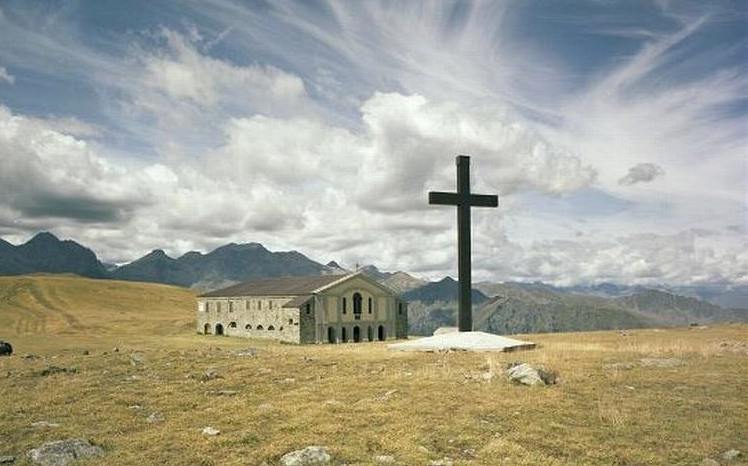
(356, 334)
(370, 333)
(357, 306)
(331, 335)
(380, 333)
(344, 335)
(206, 329)
(219, 329)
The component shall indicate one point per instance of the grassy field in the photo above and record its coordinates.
(357, 400)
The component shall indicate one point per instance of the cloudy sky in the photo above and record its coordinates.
(615, 132)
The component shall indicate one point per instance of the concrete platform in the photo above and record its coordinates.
(463, 341)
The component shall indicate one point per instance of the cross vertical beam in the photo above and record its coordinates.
(463, 199)
(464, 267)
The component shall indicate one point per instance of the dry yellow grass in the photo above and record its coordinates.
(358, 400)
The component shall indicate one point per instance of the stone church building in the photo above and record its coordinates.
(316, 309)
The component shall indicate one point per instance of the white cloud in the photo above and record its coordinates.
(5, 76)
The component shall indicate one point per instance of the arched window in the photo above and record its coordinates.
(232, 325)
(219, 329)
(259, 327)
(206, 329)
(380, 333)
(345, 306)
(356, 334)
(357, 305)
(290, 321)
(399, 308)
(370, 333)
(343, 335)
(248, 327)
(271, 327)
(308, 308)
(370, 305)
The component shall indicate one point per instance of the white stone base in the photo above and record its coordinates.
(463, 341)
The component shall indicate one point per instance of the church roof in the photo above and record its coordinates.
(283, 286)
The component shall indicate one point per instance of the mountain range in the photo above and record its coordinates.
(497, 307)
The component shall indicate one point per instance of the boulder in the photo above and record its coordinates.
(6, 349)
(7, 459)
(210, 431)
(525, 374)
(306, 456)
(63, 452)
(384, 459)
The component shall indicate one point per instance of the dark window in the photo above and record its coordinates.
(357, 305)
(343, 335)
(248, 327)
(369, 305)
(231, 306)
(370, 334)
(219, 329)
(345, 306)
(232, 325)
(399, 308)
(308, 308)
(259, 327)
(290, 321)
(356, 334)
(206, 329)
(280, 329)
(271, 328)
(380, 333)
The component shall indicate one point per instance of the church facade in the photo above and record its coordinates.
(317, 309)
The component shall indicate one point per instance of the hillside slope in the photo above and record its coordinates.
(67, 304)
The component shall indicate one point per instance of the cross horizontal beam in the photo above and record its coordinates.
(474, 200)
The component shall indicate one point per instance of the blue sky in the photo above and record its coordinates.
(615, 132)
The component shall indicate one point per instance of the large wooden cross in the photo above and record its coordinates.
(464, 200)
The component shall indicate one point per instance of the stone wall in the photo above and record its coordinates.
(250, 317)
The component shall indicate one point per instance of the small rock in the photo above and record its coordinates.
(155, 417)
(43, 424)
(86, 352)
(7, 459)
(210, 431)
(663, 363)
(250, 352)
(305, 456)
(210, 374)
(137, 359)
(6, 349)
(115, 350)
(527, 375)
(442, 462)
(135, 407)
(709, 462)
(63, 452)
(730, 455)
(384, 459)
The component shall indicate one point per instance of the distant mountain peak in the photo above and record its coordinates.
(44, 236)
(334, 264)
